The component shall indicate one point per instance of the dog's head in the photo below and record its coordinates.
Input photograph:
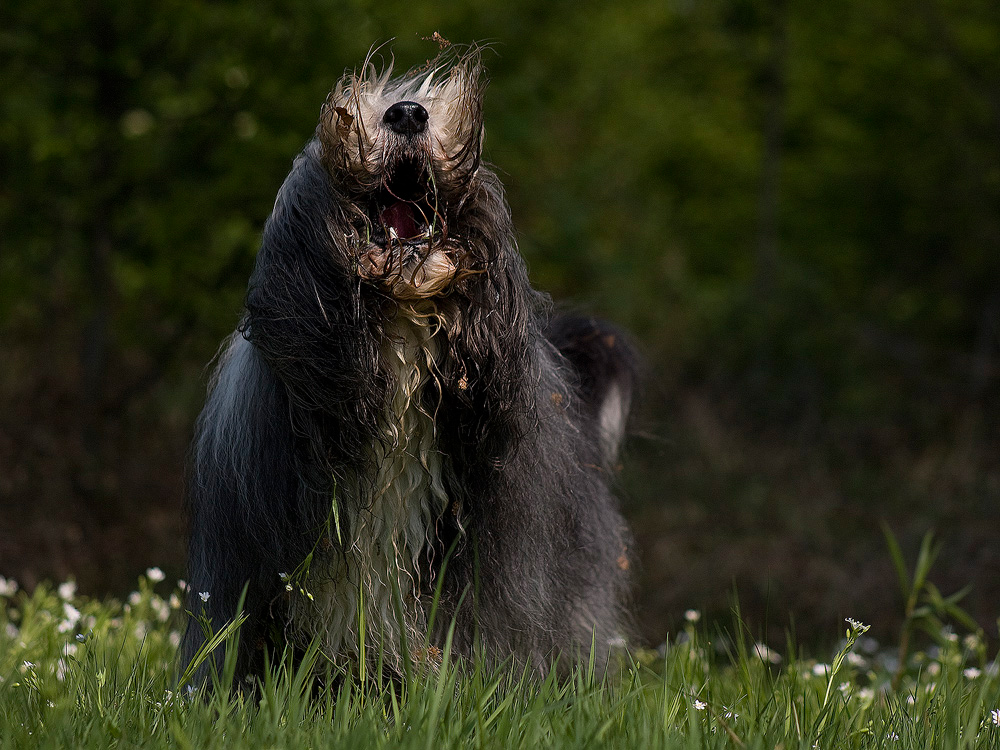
(406, 153)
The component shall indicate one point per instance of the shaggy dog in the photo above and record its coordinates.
(400, 425)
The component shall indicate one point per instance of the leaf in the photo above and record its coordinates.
(898, 561)
(925, 560)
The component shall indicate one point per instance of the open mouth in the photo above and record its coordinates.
(406, 251)
(403, 210)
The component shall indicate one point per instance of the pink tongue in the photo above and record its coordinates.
(400, 217)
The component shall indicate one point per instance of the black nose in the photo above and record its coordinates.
(406, 118)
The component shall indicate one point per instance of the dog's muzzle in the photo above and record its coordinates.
(405, 250)
(406, 118)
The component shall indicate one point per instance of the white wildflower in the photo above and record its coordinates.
(692, 615)
(934, 669)
(865, 695)
(971, 641)
(182, 584)
(283, 576)
(856, 627)
(174, 638)
(204, 595)
(10, 630)
(62, 668)
(72, 615)
(8, 586)
(67, 590)
(161, 608)
(175, 601)
(766, 654)
(134, 598)
(971, 673)
(617, 642)
(70, 649)
(857, 660)
(700, 705)
(911, 699)
(868, 644)
(821, 670)
(892, 736)
(995, 716)
(155, 575)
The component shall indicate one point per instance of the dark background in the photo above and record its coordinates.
(795, 207)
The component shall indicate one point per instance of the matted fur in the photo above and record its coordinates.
(358, 148)
(399, 395)
(379, 570)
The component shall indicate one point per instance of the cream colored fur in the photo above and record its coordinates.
(380, 556)
(359, 100)
(363, 151)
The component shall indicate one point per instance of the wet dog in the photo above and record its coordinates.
(401, 424)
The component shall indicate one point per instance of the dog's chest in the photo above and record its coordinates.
(400, 494)
(408, 490)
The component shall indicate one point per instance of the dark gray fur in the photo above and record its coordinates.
(539, 550)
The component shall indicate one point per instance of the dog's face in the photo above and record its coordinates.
(406, 152)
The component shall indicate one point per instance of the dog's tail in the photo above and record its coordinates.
(606, 368)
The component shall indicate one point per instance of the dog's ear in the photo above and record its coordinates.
(605, 368)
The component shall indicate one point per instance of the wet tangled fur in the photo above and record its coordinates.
(400, 417)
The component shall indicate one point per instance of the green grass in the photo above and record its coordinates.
(80, 673)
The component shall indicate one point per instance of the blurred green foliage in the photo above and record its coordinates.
(141, 146)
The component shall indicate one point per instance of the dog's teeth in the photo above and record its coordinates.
(392, 233)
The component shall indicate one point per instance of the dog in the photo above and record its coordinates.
(403, 443)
